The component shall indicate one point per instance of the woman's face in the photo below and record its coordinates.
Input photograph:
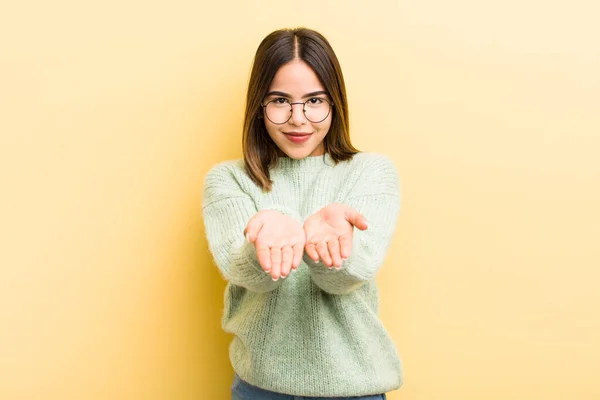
(298, 137)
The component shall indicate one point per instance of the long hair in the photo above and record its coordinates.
(277, 49)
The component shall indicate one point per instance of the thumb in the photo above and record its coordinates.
(356, 219)
(251, 231)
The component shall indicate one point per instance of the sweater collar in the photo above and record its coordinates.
(307, 163)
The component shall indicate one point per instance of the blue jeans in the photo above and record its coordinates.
(241, 390)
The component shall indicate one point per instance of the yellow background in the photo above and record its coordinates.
(112, 113)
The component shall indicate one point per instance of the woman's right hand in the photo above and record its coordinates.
(279, 242)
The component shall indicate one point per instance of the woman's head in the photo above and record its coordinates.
(296, 103)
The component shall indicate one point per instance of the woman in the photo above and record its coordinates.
(299, 228)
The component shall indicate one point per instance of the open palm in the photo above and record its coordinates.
(329, 233)
(279, 241)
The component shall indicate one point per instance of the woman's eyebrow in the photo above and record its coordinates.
(318, 92)
(283, 94)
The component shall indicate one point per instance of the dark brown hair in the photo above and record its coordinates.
(277, 49)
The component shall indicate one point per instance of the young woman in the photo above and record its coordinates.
(299, 228)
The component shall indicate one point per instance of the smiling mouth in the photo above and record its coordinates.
(297, 137)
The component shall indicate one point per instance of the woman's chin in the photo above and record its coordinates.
(297, 154)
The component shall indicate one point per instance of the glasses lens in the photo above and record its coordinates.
(316, 110)
(278, 111)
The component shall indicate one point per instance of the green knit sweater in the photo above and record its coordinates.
(317, 332)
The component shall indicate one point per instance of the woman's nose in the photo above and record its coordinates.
(298, 117)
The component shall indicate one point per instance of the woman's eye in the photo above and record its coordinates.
(280, 100)
(315, 100)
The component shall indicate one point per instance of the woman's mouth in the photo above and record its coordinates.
(297, 137)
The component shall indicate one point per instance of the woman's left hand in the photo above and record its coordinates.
(329, 233)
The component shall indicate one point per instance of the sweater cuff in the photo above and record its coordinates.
(247, 271)
(361, 260)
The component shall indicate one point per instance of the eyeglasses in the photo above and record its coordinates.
(279, 110)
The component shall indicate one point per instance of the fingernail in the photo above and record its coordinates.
(247, 236)
(267, 272)
(316, 262)
(338, 268)
(275, 279)
(283, 276)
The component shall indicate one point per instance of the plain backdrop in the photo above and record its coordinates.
(112, 112)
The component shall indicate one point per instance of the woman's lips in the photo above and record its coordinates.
(297, 137)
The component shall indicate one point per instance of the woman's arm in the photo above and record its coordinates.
(377, 197)
(226, 209)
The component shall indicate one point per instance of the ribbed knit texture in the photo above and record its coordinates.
(317, 332)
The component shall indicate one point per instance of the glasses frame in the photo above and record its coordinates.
(264, 106)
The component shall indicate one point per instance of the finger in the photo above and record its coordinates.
(311, 250)
(263, 253)
(356, 218)
(324, 253)
(334, 251)
(297, 257)
(345, 246)
(251, 231)
(287, 254)
(275, 263)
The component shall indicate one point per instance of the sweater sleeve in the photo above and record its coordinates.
(226, 210)
(376, 195)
